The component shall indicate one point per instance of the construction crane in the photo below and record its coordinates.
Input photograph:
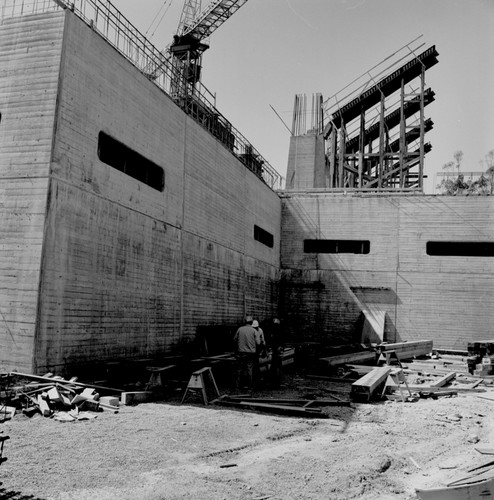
(189, 43)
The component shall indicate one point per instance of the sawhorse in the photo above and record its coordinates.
(156, 380)
(397, 374)
(197, 382)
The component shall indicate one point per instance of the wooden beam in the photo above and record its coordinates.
(342, 359)
(366, 386)
(408, 349)
(444, 380)
(272, 408)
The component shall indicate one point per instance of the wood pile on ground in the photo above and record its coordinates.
(413, 370)
(54, 397)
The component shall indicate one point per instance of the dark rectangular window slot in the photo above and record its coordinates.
(461, 248)
(337, 246)
(121, 157)
(263, 236)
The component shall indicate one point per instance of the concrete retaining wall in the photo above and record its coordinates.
(444, 298)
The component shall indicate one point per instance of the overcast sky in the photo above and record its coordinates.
(270, 50)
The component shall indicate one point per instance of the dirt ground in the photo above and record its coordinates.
(164, 450)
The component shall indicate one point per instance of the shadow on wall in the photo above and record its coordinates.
(318, 306)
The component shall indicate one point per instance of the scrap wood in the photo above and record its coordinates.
(61, 380)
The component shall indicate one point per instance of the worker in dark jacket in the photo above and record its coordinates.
(246, 351)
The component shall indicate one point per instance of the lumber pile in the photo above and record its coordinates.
(54, 397)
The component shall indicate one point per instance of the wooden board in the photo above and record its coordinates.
(366, 386)
(342, 359)
(406, 350)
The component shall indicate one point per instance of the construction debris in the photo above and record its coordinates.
(53, 396)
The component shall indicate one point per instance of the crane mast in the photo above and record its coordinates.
(188, 44)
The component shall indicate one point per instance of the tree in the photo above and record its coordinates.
(489, 160)
(458, 156)
(483, 186)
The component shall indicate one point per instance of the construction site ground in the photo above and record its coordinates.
(164, 450)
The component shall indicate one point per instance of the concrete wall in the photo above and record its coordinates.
(30, 49)
(129, 271)
(447, 299)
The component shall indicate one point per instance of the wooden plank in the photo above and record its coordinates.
(291, 402)
(411, 349)
(444, 380)
(342, 359)
(269, 408)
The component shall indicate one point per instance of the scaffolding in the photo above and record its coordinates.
(376, 133)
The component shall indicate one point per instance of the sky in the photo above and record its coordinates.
(271, 50)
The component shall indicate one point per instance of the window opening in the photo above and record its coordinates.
(337, 246)
(121, 157)
(263, 236)
(461, 248)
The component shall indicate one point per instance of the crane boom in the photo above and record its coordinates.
(212, 18)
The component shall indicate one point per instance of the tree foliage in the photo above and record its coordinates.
(455, 186)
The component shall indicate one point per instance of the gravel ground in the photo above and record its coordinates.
(164, 450)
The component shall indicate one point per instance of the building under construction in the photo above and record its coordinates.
(134, 215)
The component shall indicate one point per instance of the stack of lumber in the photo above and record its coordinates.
(53, 396)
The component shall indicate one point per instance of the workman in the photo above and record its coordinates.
(246, 352)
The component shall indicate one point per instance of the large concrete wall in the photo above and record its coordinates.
(444, 298)
(129, 271)
(30, 49)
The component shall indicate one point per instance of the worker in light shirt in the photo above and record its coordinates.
(246, 352)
